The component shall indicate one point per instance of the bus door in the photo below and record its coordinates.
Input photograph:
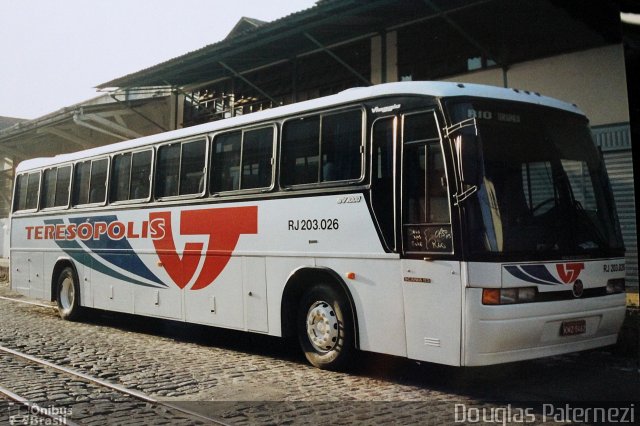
(430, 277)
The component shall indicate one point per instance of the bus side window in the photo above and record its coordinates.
(55, 187)
(300, 151)
(242, 160)
(340, 146)
(225, 162)
(32, 191)
(167, 170)
(140, 175)
(63, 181)
(180, 168)
(20, 197)
(81, 183)
(130, 176)
(325, 148)
(120, 177)
(98, 183)
(90, 182)
(48, 192)
(257, 156)
(27, 187)
(192, 167)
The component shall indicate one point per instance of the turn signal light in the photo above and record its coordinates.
(490, 296)
(508, 296)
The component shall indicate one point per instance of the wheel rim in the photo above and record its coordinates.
(67, 294)
(322, 326)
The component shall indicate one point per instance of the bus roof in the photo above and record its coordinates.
(436, 89)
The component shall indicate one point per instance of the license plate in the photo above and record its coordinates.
(571, 328)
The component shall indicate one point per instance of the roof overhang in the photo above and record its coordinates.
(102, 120)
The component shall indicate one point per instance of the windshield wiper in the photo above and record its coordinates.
(594, 232)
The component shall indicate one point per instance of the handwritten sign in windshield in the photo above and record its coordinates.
(430, 238)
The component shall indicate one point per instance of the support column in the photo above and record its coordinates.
(176, 107)
(391, 56)
(384, 58)
(377, 64)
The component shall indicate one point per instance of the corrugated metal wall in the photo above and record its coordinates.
(615, 141)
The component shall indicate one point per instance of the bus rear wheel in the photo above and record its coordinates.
(325, 328)
(68, 295)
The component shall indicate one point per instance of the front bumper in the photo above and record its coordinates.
(507, 333)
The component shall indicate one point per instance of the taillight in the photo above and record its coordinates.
(508, 296)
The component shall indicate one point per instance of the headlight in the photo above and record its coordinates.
(508, 296)
(616, 285)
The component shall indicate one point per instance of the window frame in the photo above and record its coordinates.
(396, 123)
(332, 183)
(14, 209)
(243, 130)
(181, 142)
(69, 187)
(151, 176)
(107, 182)
(440, 142)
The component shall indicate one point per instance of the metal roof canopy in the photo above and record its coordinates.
(506, 31)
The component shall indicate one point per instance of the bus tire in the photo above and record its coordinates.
(68, 295)
(325, 328)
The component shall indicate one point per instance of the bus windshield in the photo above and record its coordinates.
(541, 186)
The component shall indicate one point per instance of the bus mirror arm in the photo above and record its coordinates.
(467, 148)
(455, 128)
(459, 198)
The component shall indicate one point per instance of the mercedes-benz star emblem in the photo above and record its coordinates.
(578, 288)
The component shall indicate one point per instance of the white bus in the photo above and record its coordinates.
(451, 223)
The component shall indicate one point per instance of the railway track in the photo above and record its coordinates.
(19, 410)
(39, 390)
(28, 302)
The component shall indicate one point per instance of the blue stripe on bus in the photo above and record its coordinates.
(130, 263)
(519, 272)
(77, 253)
(540, 272)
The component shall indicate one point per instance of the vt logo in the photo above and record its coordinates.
(569, 272)
(539, 274)
(223, 226)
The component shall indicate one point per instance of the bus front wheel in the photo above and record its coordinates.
(325, 328)
(68, 295)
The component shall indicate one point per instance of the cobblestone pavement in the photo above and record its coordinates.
(242, 378)
(85, 402)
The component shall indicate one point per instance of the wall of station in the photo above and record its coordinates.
(593, 79)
